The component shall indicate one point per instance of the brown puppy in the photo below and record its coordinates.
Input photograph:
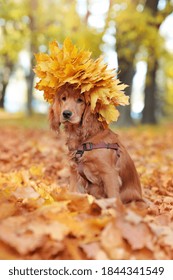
(104, 171)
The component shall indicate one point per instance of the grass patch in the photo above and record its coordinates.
(39, 121)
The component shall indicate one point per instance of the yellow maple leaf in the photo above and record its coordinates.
(109, 113)
(99, 94)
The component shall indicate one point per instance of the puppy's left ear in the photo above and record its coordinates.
(54, 118)
(89, 118)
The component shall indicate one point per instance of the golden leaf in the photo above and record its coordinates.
(101, 95)
(109, 113)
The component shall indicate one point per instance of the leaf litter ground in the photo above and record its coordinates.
(41, 219)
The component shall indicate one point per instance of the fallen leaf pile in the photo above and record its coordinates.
(41, 219)
(69, 65)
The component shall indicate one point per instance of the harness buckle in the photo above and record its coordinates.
(79, 153)
(88, 146)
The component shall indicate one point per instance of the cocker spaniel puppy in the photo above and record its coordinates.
(100, 164)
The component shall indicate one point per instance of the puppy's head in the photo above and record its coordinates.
(68, 107)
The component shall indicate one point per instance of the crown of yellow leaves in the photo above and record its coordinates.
(69, 65)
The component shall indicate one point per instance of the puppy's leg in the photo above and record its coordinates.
(73, 180)
(96, 190)
(77, 183)
(130, 191)
(112, 184)
(73, 184)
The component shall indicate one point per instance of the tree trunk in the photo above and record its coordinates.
(126, 76)
(150, 106)
(7, 70)
(149, 111)
(2, 94)
(30, 84)
(126, 73)
(152, 5)
(33, 49)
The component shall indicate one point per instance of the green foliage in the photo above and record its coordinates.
(13, 30)
(32, 24)
(78, 30)
(136, 31)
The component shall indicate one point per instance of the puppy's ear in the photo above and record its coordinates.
(54, 117)
(90, 122)
(88, 116)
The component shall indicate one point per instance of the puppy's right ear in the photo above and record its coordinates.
(54, 118)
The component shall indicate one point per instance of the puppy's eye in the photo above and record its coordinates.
(63, 98)
(79, 100)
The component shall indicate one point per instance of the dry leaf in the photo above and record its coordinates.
(41, 219)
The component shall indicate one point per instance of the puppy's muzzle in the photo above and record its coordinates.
(67, 114)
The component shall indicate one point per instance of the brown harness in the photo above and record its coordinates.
(88, 146)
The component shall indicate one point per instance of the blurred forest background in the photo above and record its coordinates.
(135, 36)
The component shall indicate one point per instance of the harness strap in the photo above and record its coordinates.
(88, 146)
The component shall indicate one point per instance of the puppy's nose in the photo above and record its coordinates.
(67, 114)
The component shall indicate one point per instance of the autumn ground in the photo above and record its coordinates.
(40, 219)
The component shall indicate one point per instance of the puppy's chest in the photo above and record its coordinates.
(88, 167)
(73, 141)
